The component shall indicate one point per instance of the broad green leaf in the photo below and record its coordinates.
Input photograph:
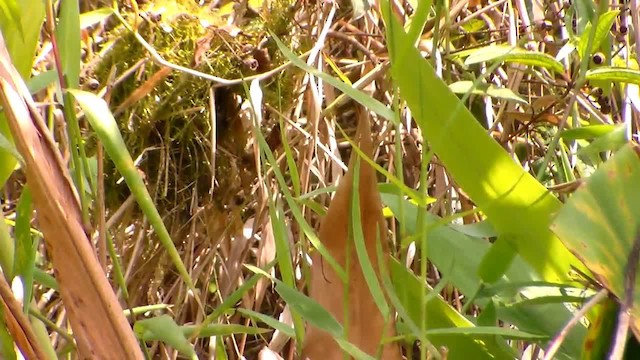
(514, 202)
(10, 14)
(587, 132)
(601, 331)
(439, 314)
(310, 310)
(610, 141)
(480, 331)
(608, 73)
(464, 87)
(515, 55)
(274, 323)
(603, 28)
(68, 39)
(601, 221)
(458, 257)
(99, 116)
(497, 260)
(478, 230)
(419, 19)
(42, 81)
(8, 159)
(514, 287)
(21, 32)
(584, 11)
(488, 315)
(164, 328)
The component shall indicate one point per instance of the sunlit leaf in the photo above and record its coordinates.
(515, 55)
(164, 328)
(479, 331)
(587, 132)
(464, 87)
(603, 28)
(614, 74)
(601, 221)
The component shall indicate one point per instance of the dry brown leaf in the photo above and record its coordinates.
(18, 325)
(266, 254)
(99, 325)
(366, 325)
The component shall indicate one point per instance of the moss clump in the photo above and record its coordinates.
(170, 126)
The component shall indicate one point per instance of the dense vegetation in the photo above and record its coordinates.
(166, 167)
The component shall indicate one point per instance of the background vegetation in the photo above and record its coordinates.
(189, 149)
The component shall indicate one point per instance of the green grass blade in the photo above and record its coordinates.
(103, 123)
(274, 323)
(164, 328)
(26, 249)
(608, 73)
(68, 40)
(357, 95)
(283, 256)
(308, 231)
(482, 331)
(515, 55)
(317, 316)
(361, 249)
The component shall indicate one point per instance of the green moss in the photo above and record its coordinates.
(171, 124)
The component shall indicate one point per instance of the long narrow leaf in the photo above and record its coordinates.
(102, 121)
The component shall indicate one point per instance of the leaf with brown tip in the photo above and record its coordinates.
(365, 324)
